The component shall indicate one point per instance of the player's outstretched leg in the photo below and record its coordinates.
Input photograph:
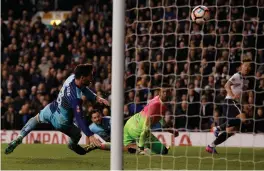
(74, 146)
(30, 125)
(75, 135)
(13, 145)
(216, 131)
(232, 125)
(220, 139)
(77, 148)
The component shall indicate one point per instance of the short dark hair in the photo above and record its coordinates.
(95, 111)
(83, 70)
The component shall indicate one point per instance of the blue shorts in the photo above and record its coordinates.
(60, 123)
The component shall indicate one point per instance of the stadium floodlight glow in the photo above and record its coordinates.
(57, 22)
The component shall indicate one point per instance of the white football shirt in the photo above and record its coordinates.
(238, 83)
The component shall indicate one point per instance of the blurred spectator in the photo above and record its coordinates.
(9, 117)
(259, 121)
(25, 111)
(136, 106)
(126, 113)
(193, 106)
(10, 90)
(20, 100)
(181, 115)
(206, 111)
(106, 112)
(260, 93)
(44, 66)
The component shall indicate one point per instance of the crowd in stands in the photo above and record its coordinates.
(162, 46)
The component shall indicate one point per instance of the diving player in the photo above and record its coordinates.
(235, 117)
(61, 112)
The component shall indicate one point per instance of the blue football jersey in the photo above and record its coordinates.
(103, 129)
(69, 103)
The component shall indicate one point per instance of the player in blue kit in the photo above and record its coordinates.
(61, 112)
(101, 125)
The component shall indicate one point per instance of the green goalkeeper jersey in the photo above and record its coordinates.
(136, 130)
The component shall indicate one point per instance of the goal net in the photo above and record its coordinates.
(163, 46)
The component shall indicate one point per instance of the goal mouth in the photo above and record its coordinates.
(196, 58)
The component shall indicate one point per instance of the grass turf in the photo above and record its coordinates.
(59, 157)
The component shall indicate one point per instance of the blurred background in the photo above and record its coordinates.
(43, 40)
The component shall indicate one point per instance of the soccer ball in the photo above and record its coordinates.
(200, 14)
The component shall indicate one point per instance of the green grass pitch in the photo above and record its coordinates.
(59, 157)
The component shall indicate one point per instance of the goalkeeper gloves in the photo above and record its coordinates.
(142, 151)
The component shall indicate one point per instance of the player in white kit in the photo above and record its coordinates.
(234, 117)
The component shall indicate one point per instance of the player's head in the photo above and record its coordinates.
(96, 117)
(245, 67)
(84, 73)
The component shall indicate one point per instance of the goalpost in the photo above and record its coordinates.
(162, 45)
(117, 85)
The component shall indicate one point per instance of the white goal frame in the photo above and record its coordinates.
(117, 92)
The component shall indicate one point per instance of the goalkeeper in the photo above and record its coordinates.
(138, 128)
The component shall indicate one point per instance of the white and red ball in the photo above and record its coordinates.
(200, 14)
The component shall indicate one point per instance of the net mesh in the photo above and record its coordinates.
(163, 46)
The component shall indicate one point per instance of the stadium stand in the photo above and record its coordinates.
(36, 59)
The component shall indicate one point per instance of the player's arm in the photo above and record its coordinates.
(144, 134)
(80, 119)
(82, 122)
(229, 83)
(91, 127)
(90, 95)
(153, 110)
(228, 88)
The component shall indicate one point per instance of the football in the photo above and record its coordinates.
(200, 14)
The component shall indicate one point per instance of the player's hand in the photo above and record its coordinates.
(142, 151)
(102, 100)
(94, 141)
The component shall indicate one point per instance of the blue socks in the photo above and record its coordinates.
(30, 125)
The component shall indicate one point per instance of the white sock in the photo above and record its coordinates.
(212, 145)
